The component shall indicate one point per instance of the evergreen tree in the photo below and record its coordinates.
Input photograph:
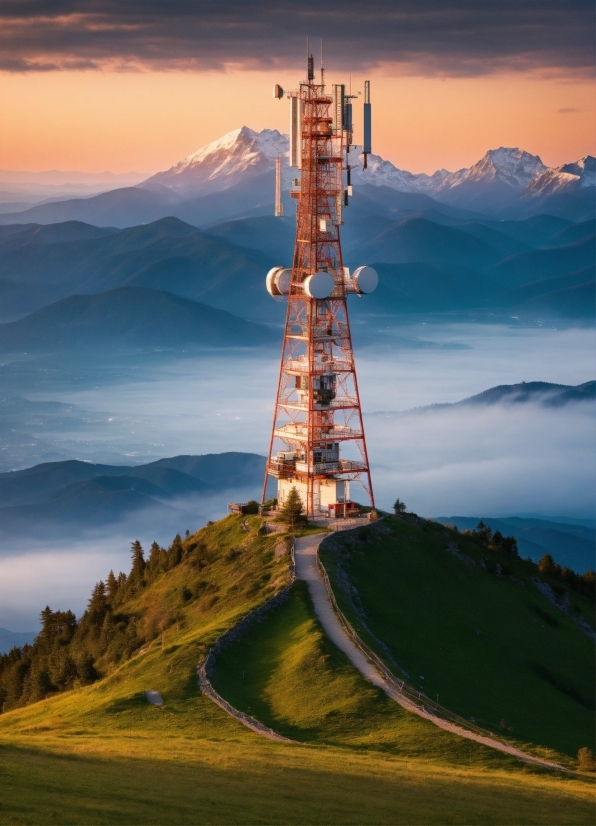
(399, 507)
(175, 552)
(484, 533)
(138, 561)
(155, 563)
(98, 604)
(112, 585)
(293, 510)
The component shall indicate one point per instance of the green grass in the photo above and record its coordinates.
(286, 672)
(480, 641)
(101, 754)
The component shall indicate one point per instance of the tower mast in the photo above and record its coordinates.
(317, 441)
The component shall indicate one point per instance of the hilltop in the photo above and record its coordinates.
(128, 761)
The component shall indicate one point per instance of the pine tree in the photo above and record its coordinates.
(138, 561)
(155, 562)
(293, 511)
(98, 604)
(112, 585)
(399, 507)
(484, 533)
(175, 552)
(509, 544)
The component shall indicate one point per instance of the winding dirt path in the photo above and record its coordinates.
(306, 569)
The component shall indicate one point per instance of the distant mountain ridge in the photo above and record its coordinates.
(430, 259)
(544, 393)
(244, 151)
(506, 181)
(75, 493)
(10, 639)
(129, 317)
(219, 164)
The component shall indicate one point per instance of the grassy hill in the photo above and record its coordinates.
(101, 754)
(571, 545)
(434, 605)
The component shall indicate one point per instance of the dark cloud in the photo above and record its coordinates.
(567, 110)
(450, 37)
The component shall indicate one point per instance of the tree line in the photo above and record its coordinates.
(68, 652)
(583, 584)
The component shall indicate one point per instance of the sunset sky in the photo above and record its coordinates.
(138, 84)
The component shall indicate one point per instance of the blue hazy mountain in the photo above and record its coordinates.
(166, 255)
(10, 639)
(544, 263)
(424, 288)
(573, 546)
(129, 317)
(427, 266)
(58, 496)
(544, 393)
(570, 296)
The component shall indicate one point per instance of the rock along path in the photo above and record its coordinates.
(306, 569)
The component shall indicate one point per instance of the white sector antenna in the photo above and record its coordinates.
(365, 280)
(278, 281)
(319, 285)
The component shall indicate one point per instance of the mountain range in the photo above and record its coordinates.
(129, 317)
(204, 231)
(63, 495)
(538, 267)
(506, 182)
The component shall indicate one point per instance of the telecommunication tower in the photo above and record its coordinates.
(317, 440)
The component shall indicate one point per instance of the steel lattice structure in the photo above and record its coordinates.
(317, 414)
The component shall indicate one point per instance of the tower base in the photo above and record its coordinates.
(327, 493)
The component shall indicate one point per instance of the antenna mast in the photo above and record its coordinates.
(279, 207)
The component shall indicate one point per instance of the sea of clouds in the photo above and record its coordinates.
(464, 460)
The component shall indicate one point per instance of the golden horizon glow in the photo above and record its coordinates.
(98, 121)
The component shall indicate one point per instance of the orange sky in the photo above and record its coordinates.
(121, 121)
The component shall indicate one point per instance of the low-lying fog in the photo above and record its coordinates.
(466, 460)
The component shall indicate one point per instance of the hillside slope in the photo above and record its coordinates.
(470, 626)
(101, 754)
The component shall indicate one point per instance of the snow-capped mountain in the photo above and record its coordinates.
(570, 176)
(503, 176)
(383, 173)
(585, 169)
(512, 167)
(238, 155)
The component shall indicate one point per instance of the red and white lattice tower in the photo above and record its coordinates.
(317, 441)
